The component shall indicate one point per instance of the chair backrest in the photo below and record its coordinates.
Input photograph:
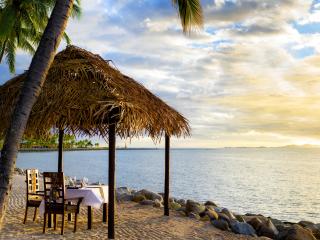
(32, 180)
(54, 190)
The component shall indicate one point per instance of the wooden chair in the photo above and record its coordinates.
(55, 202)
(34, 195)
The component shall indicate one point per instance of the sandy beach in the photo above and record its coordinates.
(133, 221)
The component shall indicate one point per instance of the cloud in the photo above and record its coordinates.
(249, 79)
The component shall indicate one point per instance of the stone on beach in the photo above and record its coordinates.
(263, 226)
(150, 195)
(205, 218)
(174, 205)
(243, 228)
(182, 202)
(124, 194)
(138, 197)
(315, 229)
(125, 197)
(194, 215)
(147, 202)
(122, 190)
(305, 223)
(213, 215)
(221, 224)
(157, 203)
(228, 213)
(210, 203)
(255, 223)
(224, 217)
(267, 229)
(240, 218)
(296, 232)
(195, 207)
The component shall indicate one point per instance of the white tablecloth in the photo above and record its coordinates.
(93, 196)
(101, 190)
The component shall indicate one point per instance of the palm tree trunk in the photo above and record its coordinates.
(38, 70)
(3, 48)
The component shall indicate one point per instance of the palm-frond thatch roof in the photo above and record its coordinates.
(83, 92)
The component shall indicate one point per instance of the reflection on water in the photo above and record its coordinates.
(281, 183)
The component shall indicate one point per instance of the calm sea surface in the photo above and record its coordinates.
(282, 183)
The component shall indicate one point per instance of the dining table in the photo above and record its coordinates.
(93, 196)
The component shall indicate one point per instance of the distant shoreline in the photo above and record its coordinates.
(161, 148)
(56, 149)
(78, 149)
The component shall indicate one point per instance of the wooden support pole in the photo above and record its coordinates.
(112, 151)
(60, 154)
(167, 175)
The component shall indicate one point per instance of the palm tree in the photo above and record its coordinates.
(22, 23)
(190, 13)
(39, 67)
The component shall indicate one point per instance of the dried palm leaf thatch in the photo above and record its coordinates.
(83, 94)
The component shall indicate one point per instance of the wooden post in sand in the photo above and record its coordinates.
(112, 151)
(167, 175)
(60, 154)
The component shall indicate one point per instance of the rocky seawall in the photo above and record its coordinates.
(224, 219)
(221, 217)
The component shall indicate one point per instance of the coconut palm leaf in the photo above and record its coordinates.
(10, 54)
(190, 13)
(22, 24)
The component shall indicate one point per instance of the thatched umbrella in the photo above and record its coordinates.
(84, 95)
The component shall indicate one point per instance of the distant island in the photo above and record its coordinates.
(285, 146)
(301, 146)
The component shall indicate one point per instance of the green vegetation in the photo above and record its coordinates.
(22, 24)
(52, 142)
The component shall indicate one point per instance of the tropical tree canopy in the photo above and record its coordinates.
(51, 142)
(22, 23)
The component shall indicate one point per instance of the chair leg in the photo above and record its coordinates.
(69, 214)
(75, 222)
(44, 222)
(105, 213)
(25, 215)
(35, 213)
(62, 224)
(55, 221)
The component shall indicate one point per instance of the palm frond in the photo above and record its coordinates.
(11, 55)
(76, 11)
(190, 13)
(2, 49)
(23, 22)
(67, 38)
(25, 45)
(7, 22)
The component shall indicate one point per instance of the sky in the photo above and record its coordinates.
(250, 77)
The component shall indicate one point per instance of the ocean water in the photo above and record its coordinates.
(277, 182)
